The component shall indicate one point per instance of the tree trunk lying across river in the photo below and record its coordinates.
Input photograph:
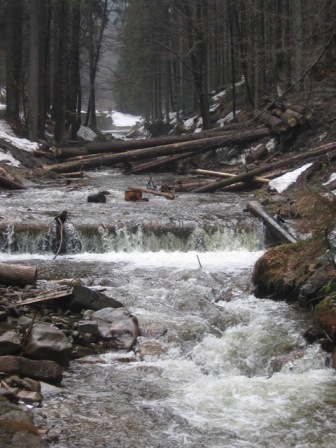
(199, 146)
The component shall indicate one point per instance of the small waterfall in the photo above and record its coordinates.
(129, 237)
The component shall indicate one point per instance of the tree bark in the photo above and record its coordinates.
(200, 146)
(277, 125)
(158, 162)
(17, 275)
(120, 146)
(14, 14)
(258, 210)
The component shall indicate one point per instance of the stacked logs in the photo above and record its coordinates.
(281, 117)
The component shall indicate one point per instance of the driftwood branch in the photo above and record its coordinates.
(154, 192)
(263, 180)
(48, 295)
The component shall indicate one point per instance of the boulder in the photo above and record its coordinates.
(87, 298)
(118, 328)
(48, 371)
(47, 342)
(87, 327)
(17, 427)
(10, 343)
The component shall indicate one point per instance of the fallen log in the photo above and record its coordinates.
(226, 175)
(260, 153)
(76, 175)
(188, 186)
(292, 118)
(7, 183)
(122, 146)
(157, 163)
(17, 275)
(302, 110)
(263, 169)
(258, 210)
(154, 192)
(200, 146)
(277, 125)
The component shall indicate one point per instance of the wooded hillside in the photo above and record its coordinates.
(171, 55)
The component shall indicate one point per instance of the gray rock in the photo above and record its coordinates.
(118, 328)
(18, 429)
(48, 371)
(47, 342)
(87, 327)
(3, 315)
(310, 290)
(26, 440)
(10, 343)
(83, 297)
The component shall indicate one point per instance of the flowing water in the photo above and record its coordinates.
(226, 369)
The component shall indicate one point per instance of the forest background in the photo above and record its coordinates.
(158, 57)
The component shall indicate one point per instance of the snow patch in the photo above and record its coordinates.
(331, 179)
(120, 119)
(86, 134)
(21, 143)
(281, 183)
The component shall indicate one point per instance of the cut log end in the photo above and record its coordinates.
(17, 275)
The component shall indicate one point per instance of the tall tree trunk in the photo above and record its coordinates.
(94, 54)
(299, 39)
(34, 64)
(74, 91)
(59, 68)
(14, 14)
(92, 122)
(243, 53)
(233, 57)
(257, 74)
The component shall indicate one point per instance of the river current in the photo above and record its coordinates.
(227, 369)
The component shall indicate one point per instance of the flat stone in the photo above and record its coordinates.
(48, 371)
(49, 343)
(29, 396)
(10, 343)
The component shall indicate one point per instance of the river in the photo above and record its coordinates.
(227, 370)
